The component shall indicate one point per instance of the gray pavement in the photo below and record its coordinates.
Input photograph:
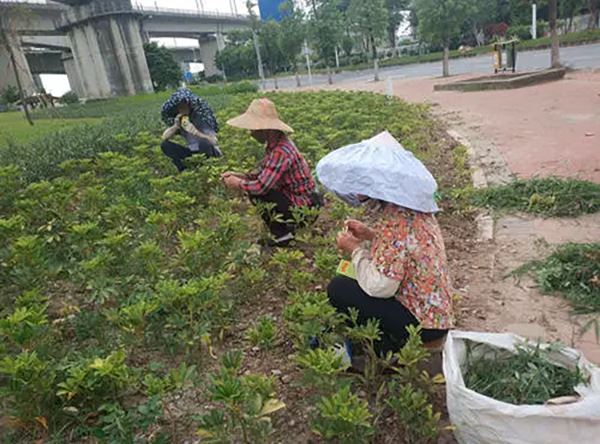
(577, 57)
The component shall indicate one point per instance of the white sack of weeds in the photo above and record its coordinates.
(479, 419)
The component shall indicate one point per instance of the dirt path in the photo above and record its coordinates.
(495, 301)
(523, 133)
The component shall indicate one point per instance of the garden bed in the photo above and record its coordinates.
(126, 290)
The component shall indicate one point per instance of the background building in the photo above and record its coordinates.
(269, 9)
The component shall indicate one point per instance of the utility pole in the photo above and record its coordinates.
(254, 23)
(534, 21)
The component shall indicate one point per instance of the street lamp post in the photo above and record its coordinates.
(534, 21)
(306, 53)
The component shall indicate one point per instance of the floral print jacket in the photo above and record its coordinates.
(409, 248)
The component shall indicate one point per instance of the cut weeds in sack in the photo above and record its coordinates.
(526, 377)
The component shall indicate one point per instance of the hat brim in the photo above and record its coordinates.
(255, 123)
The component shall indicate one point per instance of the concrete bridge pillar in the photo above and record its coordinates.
(107, 46)
(37, 81)
(73, 74)
(208, 53)
(7, 74)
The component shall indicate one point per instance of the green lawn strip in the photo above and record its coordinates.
(215, 94)
(39, 156)
(546, 197)
(573, 271)
(14, 127)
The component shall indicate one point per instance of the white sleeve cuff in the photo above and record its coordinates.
(369, 278)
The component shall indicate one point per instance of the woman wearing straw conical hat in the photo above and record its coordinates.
(283, 178)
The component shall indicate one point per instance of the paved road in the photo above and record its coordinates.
(580, 57)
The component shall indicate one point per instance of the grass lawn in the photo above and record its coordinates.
(14, 126)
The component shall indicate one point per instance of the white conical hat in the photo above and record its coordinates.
(379, 168)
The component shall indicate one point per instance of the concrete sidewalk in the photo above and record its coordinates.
(544, 130)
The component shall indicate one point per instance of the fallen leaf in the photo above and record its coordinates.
(272, 405)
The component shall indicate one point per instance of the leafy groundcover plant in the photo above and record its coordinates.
(123, 285)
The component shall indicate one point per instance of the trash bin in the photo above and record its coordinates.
(505, 55)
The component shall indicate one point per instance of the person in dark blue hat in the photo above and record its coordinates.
(189, 115)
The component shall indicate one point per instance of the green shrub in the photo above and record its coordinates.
(522, 32)
(121, 278)
(343, 417)
(263, 333)
(9, 95)
(245, 404)
(69, 98)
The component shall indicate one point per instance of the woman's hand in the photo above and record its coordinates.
(234, 174)
(347, 242)
(359, 230)
(231, 181)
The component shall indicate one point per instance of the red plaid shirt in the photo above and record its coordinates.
(283, 169)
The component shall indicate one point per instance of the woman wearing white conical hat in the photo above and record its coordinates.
(284, 177)
(399, 274)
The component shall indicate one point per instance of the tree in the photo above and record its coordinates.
(483, 12)
(326, 28)
(395, 10)
(271, 43)
(370, 18)
(164, 70)
(568, 9)
(554, 52)
(440, 21)
(8, 36)
(255, 25)
(594, 10)
(239, 57)
(520, 10)
(292, 39)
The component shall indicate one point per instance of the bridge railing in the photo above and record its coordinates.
(201, 13)
(35, 3)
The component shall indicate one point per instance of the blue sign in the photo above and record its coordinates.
(188, 76)
(269, 9)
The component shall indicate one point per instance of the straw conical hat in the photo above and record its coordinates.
(260, 115)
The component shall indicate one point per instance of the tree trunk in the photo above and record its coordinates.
(392, 38)
(555, 52)
(298, 82)
(594, 9)
(329, 76)
(446, 63)
(4, 38)
(261, 72)
(375, 59)
(275, 81)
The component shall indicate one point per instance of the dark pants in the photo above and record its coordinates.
(177, 153)
(283, 210)
(345, 293)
